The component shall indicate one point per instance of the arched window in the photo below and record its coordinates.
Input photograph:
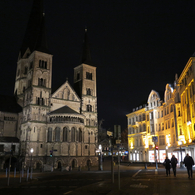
(77, 135)
(73, 134)
(80, 135)
(65, 131)
(57, 134)
(49, 135)
(89, 108)
(88, 90)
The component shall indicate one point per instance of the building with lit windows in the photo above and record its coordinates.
(169, 117)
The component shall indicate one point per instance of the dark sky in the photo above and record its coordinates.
(136, 45)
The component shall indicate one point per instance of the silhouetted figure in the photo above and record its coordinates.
(174, 164)
(167, 164)
(189, 162)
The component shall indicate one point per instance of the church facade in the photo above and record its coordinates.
(60, 127)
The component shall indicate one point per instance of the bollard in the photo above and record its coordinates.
(27, 174)
(88, 168)
(20, 176)
(15, 172)
(69, 168)
(22, 171)
(145, 165)
(79, 168)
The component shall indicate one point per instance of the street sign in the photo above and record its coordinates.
(155, 139)
(109, 133)
(118, 141)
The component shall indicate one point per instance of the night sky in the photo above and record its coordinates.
(136, 45)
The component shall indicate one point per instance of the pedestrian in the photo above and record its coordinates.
(167, 164)
(189, 162)
(174, 164)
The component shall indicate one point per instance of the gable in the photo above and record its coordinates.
(66, 92)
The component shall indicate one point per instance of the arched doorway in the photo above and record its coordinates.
(74, 163)
(38, 165)
(59, 165)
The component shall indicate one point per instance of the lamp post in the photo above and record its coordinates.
(31, 151)
(100, 148)
(180, 143)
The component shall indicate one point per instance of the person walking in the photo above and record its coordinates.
(167, 164)
(174, 164)
(189, 162)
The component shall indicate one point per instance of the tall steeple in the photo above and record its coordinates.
(86, 57)
(35, 38)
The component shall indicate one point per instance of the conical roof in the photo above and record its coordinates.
(35, 36)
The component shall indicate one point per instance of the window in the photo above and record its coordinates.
(161, 140)
(161, 113)
(178, 110)
(144, 117)
(88, 75)
(41, 82)
(89, 108)
(78, 76)
(49, 136)
(65, 131)
(172, 122)
(159, 127)
(80, 135)
(168, 124)
(88, 91)
(42, 64)
(73, 134)
(147, 117)
(144, 127)
(140, 118)
(85, 146)
(1, 148)
(129, 121)
(162, 126)
(25, 70)
(158, 114)
(41, 145)
(57, 134)
(31, 65)
(167, 109)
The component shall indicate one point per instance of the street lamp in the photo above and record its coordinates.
(31, 151)
(180, 143)
(100, 148)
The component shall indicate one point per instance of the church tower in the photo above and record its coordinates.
(85, 86)
(33, 80)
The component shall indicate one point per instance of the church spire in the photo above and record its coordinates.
(86, 57)
(35, 38)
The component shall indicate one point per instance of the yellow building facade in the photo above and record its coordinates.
(165, 124)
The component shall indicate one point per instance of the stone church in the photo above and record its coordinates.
(60, 126)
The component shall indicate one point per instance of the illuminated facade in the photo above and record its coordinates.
(169, 117)
(63, 124)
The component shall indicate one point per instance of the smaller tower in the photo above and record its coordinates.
(85, 86)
